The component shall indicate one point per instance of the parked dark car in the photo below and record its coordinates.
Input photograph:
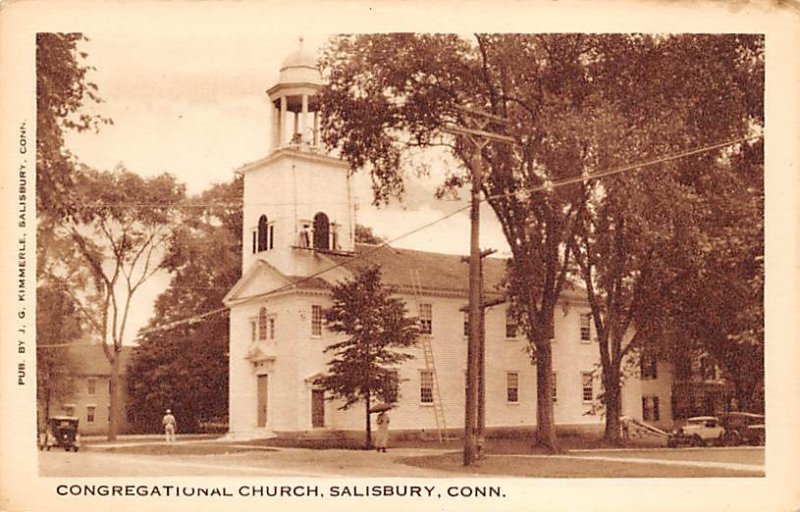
(743, 428)
(61, 431)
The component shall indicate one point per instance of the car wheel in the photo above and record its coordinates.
(697, 441)
(732, 438)
(671, 443)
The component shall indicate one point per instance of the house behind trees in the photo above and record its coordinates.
(90, 400)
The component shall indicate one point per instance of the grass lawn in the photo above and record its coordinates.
(563, 468)
(499, 445)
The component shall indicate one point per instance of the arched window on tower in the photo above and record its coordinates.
(263, 233)
(321, 231)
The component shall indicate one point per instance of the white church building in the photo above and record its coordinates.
(299, 239)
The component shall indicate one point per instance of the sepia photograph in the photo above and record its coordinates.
(316, 265)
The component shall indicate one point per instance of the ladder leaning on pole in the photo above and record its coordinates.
(430, 364)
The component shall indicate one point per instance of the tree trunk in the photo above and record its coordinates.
(46, 412)
(115, 412)
(613, 399)
(368, 439)
(545, 421)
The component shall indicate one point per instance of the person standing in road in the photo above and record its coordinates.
(382, 437)
(168, 421)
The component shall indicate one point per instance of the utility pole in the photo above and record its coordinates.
(479, 138)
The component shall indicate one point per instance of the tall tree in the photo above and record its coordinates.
(363, 365)
(390, 95)
(184, 367)
(722, 302)
(62, 92)
(119, 231)
(644, 233)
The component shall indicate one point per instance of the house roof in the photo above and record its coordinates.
(91, 360)
(431, 271)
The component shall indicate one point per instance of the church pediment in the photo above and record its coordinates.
(262, 278)
(256, 354)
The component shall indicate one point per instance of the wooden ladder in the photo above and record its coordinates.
(430, 364)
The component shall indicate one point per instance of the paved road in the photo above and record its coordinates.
(244, 460)
(254, 461)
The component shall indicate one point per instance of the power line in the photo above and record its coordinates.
(629, 167)
(206, 205)
(549, 186)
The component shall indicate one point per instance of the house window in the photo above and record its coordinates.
(262, 324)
(91, 386)
(587, 386)
(426, 318)
(586, 328)
(426, 387)
(271, 236)
(511, 325)
(466, 324)
(90, 413)
(708, 370)
(108, 413)
(392, 390)
(271, 327)
(255, 241)
(649, 365)
(650, 408)
(69, 410)
(316, 320)
(512, 387)
(263, 233)
(321, 231)
(253, 330)
(555, 387)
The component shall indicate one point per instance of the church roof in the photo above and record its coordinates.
(407, 268)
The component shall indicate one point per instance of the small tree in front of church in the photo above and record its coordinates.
(363, 368)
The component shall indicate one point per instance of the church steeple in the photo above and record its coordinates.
(295, 106)
(297, 199)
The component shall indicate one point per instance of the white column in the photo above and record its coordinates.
(282, 121)
(275, 142)
(304, 120)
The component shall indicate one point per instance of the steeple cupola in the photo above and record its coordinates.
(295, 105)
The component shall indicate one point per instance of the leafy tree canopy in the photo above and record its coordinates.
(62, 90)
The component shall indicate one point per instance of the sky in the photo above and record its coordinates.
(193, 103)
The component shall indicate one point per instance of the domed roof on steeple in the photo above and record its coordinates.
(300, 67)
